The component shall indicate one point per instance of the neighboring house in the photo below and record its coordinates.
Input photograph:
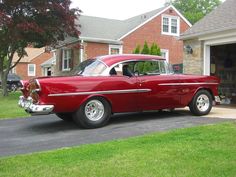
(210, 48)
(101, 36)
(30, 65)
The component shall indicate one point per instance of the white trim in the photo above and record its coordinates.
(194, 83)
(171, 6)
(224, 34)
(167, 54)
(207, 50)
(34, 66)
(120, 47)
(221, 41)
(101, 40)
(206, 60)
(170, 17)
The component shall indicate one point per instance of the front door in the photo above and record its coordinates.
(162, 94)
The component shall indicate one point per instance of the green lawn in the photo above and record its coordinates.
(206, 151)
(9, 106)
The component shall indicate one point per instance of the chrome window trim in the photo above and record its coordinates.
(107, 70)
(102, 92)
(38, 83)
(104, 71)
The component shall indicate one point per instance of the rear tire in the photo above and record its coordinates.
(65, 116)
(201, 103)
(94, 113)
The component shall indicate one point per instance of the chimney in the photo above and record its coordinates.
(168, 2)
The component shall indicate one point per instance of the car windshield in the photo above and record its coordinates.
(13, 77)
(90, 67)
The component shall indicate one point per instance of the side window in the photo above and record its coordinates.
(124, 69)
(162, 67)
(150, 68)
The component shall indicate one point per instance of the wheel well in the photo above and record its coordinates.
(207, 89)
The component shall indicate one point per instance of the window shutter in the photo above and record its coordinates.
(60, 59)
(71, 61)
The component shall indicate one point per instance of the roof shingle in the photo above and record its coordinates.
(110, 28)
(220, 19)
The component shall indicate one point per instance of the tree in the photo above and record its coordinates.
(194, 10)
(137, 50)
(145, 49)
(155, 50)
(143, 67)
(38, 23)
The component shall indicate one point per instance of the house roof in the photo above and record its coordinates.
(114, 30)
(48, 63)
(31, 54)
(220, 19)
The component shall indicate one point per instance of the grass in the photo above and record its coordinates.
(201, 151)
(9, 106)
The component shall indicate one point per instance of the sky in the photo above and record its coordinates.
(121, 9)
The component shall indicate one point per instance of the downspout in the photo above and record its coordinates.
(81, 50)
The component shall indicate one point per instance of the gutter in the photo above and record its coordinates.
(204, 33)
(89, 39)
(100, 40)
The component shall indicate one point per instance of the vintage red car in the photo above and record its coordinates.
(118, 83)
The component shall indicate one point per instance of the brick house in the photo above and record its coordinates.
(210, 48)
(30, 66)
(101, 36)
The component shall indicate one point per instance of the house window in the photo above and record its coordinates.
(115, 49)
(165, 54)
(66, 59)
(31, 69)
(165, 24)
(170, 25)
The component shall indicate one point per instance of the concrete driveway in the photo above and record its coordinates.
(221, 111)
(40, 133)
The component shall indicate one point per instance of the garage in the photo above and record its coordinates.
(209, 49)
(223, 65)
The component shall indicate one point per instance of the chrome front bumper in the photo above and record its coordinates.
(34, 109)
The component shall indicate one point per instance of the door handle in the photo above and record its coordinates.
(141, 82)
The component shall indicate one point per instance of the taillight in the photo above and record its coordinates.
(34, 89)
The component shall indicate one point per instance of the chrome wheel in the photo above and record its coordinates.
(93, 113)
(203, 103)
(94, 110)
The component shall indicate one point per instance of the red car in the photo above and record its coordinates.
(118, 83)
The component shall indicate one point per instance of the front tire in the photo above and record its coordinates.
(201, 103)
(94, 113)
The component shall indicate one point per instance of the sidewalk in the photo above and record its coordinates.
(225, 112)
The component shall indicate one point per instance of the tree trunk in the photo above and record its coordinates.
(4, 84)
(3, 77)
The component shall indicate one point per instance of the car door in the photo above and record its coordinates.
(122, 89)
(163, 91)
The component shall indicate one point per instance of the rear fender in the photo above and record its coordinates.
(95, 96)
